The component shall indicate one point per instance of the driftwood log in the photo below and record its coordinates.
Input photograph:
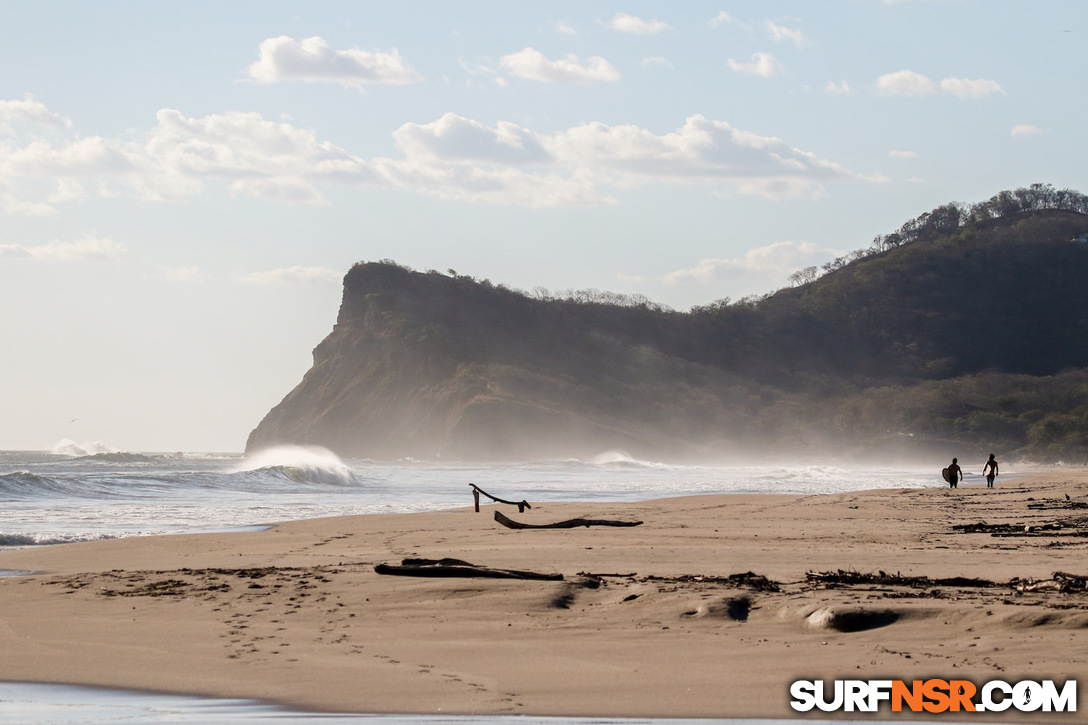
(458, 568)
(476, 491)
(569, 524)
(1063, 582)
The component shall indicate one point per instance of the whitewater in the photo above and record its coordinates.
(89, 492)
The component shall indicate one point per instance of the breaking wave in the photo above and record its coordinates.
(300, 464)
(622, 459)
(25, 483)
(12, 540)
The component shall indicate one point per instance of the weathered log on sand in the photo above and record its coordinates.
(458, 568)
(1052, 585)
(476, 491)
(569, 524)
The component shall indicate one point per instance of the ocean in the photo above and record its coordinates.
(86, 492)
(22, 704)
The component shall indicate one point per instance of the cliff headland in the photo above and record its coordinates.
(966, 328)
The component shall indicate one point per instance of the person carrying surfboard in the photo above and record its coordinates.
(954, 474)
(990, 471)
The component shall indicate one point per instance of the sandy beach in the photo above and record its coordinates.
(710, 607)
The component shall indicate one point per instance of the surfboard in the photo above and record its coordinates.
(944, 472)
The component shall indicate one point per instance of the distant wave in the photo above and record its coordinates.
(118, 457)
(24, 483)
(611, 460)
(68, 447)
(97, 451)
(300, 464)
(622, 459)
(94, 484)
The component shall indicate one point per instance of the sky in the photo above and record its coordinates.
(184, 185)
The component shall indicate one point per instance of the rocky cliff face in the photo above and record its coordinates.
(430, 366)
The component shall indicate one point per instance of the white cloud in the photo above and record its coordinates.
(566, 29)
(87, 246)
(965, 88)
(657, 60)
(909, 83)
(12, 205)
(68, 189)
(903, 154)
(780, 33)
(476, 69)
(464, 160)
(720, 19)
(764, 65)
(905, 83)
(774, 263)
(271, 160)
(838, 89)
(285, 189)
(175, 159)
(313, 60)
(452, 157)
(532, 65)
(92, 156)
(458, 158)
(1025, 129)
(701, 151)
(293, 275)
(33, 112)
(457, 139)
(625, 23)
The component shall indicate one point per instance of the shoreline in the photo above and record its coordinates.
(648, 621)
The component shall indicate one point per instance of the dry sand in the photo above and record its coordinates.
(646, 622)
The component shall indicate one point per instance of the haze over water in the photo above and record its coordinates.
(86, 493)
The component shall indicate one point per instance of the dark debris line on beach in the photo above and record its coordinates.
(854, 578)
(1062, 582)
(1067, 528)
(747, 580)
(187, 582)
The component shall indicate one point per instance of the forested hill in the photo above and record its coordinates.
(965, 329)
(1009, 295)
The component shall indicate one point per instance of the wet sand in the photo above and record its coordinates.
(710, 608)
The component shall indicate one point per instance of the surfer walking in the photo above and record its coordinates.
(954, 474)
(990, 471)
